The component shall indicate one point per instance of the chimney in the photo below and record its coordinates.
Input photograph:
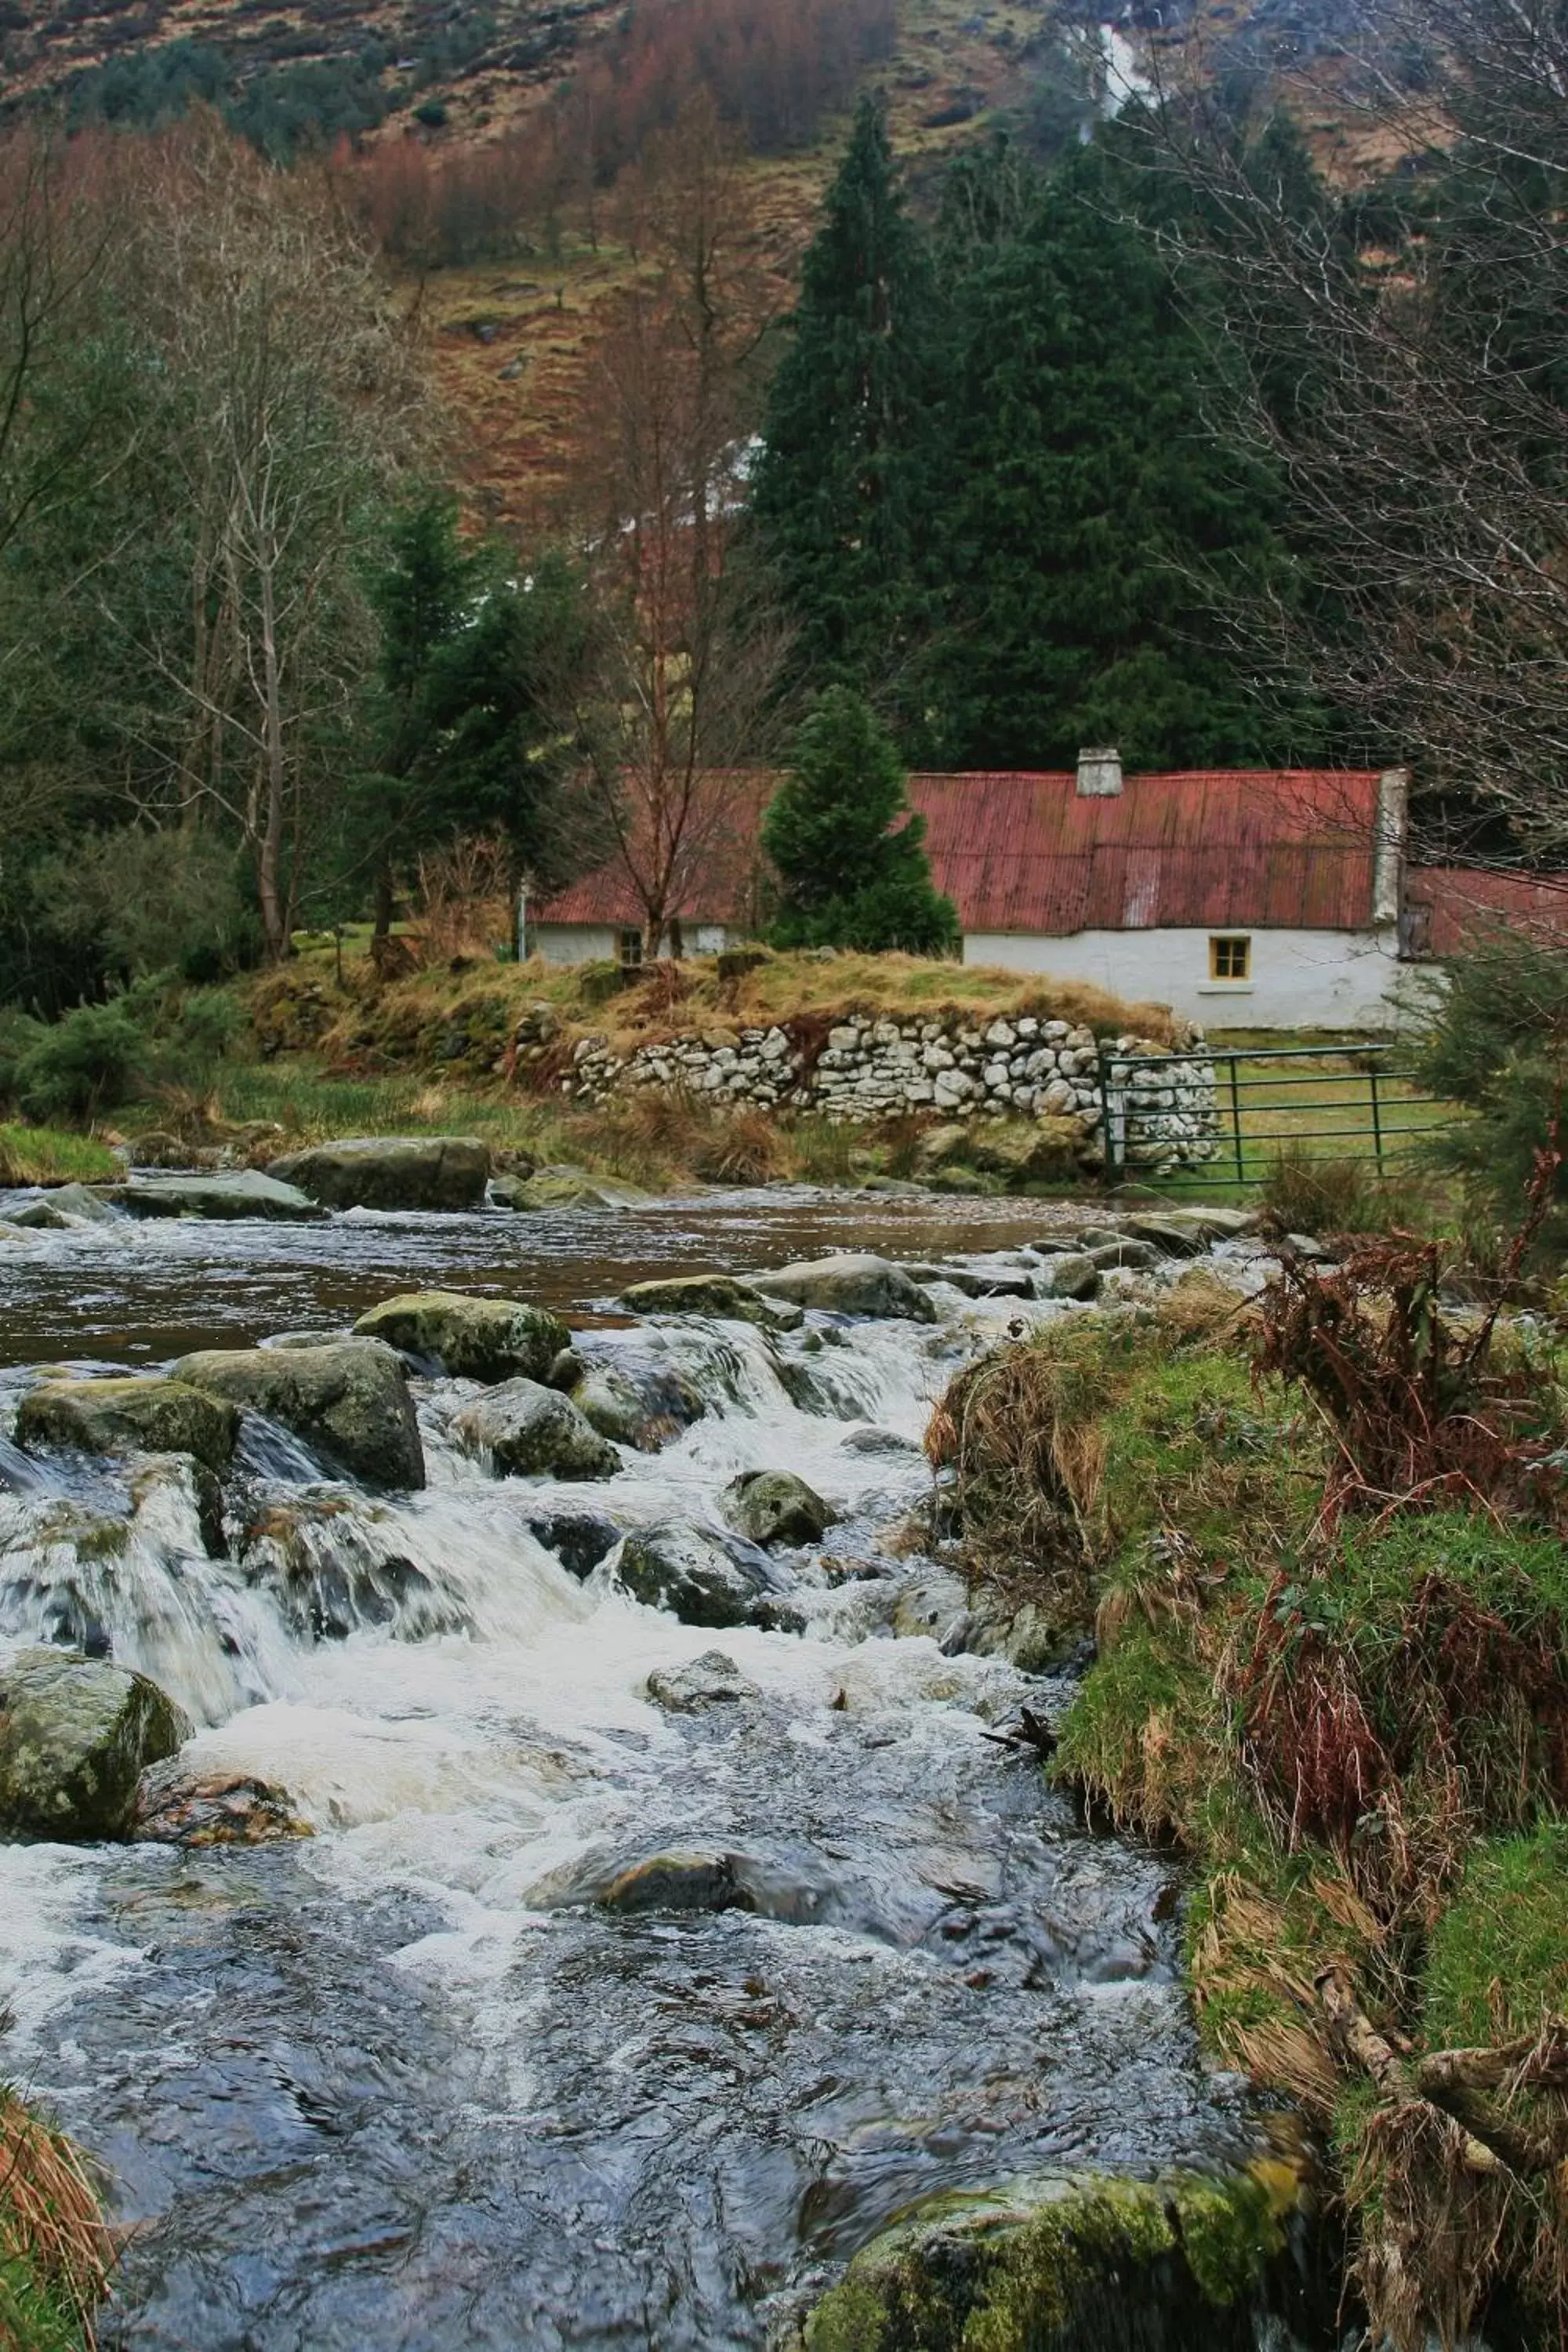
(1098, 774)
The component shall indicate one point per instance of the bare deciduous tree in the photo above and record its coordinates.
(1402, 364)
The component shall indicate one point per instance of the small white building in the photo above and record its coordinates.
(1244, 898)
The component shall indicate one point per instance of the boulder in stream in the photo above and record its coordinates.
(712, 1680)
(128, 1416)
(529, 1431)
(470, 1338)
(76, 1735)
(391, 1171)
(245, 1194)
(857, 1283)
(701, 1879)
(1077, 2259)
(636, 1400)
(62, 1206)
(349, 1398)
(711, 1294)
(335, 1563)
(705, 1578)
(579, 1539)
(566, 1188)
(774, 1506)
(1071, 1273)
(180, 1804)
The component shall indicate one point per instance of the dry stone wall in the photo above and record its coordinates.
(869, 1066)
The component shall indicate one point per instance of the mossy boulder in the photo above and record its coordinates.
(128, 1416)
(348, 1400)
(76, 1735)
(391, 1171)
(467, 1337)
(1080, 2263)
(246, 1193)
(177, 1805)
(568, 1187)
(858, 1284)
(528, 1431)
(773, 1507)
(636, 1400)
(711, 1294)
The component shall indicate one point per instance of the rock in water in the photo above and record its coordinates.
(246, 1194)
(698, 1880)
(704, 1579)
(392, 1171)
(855, 1284)
(712, 1680)
(579, 1539)
(637, 1401)
(566, 1188)
(76, 1735)
(1072, 1274)
(711, 1294)
(348, 1398)
(533, 1431)
(773, 1506)
(177, 1806)
(470, 1338)
(149, 1417)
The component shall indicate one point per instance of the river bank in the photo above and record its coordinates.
(421, 2078)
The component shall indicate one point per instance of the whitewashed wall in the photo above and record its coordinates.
(1301, 980)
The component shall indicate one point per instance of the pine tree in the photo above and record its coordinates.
(851, 874)
(1082, 492)
(834, 495)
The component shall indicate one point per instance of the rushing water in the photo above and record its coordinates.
(403, 2084)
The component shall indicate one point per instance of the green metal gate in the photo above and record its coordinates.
(1223, 1118)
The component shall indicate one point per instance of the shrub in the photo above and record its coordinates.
(139, 902)
(1306, 1193)
(86, 1062)
(1498, 1044)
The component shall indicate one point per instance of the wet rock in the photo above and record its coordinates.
(704, 1578)
(405, 1171)
(579, 1539)
(1073, 1275)
(38, 1216)
(712, 1680)
(701, 1880)
(1186, 1233)
(933, 1602)
(126, 1416)
(1124, 1252)
(572, 1187)
(76, 1735)
(977, 1282)
(178, 1493)
(348, 1399)
(468, 1336)
(245, 1194)
(74, 1204)
(878, 1441)
(774, 1506)
(529, 1431)
(333, 1566)
(636, 1400)
(1024, 1636)
(1081, 2260)
(855, 1284)
(711, 1294)
(178, 1805)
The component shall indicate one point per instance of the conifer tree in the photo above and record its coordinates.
(1082, 495)
(850, 874)
(835, 489)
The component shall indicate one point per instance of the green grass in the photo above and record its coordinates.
(1503, 1940)
(47, 1155)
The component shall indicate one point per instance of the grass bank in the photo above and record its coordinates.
(54, 2249)
(1317, 1542)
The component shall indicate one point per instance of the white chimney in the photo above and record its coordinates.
(1099, 775)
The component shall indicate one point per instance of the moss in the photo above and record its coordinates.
(1143, 1734)
(1502, 1943)
(104, 1539)
(1025, 2273)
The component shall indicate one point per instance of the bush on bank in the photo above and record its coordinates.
(53, 2248)
(1348, 1701)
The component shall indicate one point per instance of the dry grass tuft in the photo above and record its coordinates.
(50, 2224)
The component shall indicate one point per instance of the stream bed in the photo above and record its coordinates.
(407, 2083)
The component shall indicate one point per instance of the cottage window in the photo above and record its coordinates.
(630, 950)
(1230, 958)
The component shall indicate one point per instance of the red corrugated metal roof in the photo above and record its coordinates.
(1445, 905)
(1259, 848)
(717, 869)
(1204, 850)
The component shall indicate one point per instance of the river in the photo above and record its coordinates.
(404, 2084)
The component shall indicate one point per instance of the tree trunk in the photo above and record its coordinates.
(269, 856)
